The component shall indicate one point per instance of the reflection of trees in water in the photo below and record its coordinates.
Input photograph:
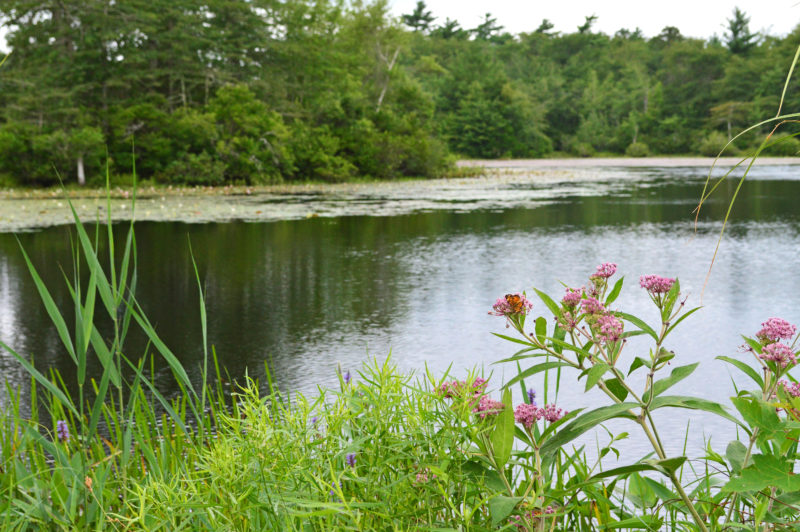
(278, 291)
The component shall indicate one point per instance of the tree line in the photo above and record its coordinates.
(265, 91)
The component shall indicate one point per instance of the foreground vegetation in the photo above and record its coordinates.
(255, 92)
(387, 451)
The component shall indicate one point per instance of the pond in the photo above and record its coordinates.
(305, 296)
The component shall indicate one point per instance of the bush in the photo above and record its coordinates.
(713, 143)
(637, 149)
(194, 169)
(782, 146)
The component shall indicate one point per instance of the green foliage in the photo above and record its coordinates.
(713, 144)
(385, 100)
(637, 149)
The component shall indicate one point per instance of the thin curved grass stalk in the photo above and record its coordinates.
(781, 119)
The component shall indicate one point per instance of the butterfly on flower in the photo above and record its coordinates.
(515, 303)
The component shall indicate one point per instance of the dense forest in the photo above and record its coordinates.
(264, 91)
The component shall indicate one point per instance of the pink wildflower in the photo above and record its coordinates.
(655, 284)
(609, 328)
(510, 305)
(775, 329)
(572, 297)
(791, 388)
(591, 305)
(605, 270)
(488, 407)
(553, 414)
(527, 414)
(566, 321)
(453, 389)
(779, 353)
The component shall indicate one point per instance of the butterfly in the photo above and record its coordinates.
(515, 303)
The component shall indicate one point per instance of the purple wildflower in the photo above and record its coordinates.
(778, 353)
(553, 414)
(527, 414)
(350, 459)
(531, 396)
(591, 305)
(62, 430)
(488, 407)
(605, 270)
(655, 284)
(775, 329)
(609, 328)
(334, 486)
(572, 297)
(347, 377)
(314, 420)
(511, 305)
(791, 388)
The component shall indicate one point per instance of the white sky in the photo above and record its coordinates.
(695, 18)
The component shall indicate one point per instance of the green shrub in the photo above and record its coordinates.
(637, 149)
(782, 146)
(713, 143)
(193, 169)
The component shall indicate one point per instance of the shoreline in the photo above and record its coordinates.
(502, 184)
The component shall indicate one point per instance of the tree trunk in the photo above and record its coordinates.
(81, 173)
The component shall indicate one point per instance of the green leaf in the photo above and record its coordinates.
(750, 372)
(585, 422)
(515, 340)
(533, 370)
(677, 375)
(52, 310)
(645, 522)
(612, 296)
(683, 317)
(541, 329)
(670, 300)
(501, 506)
(503, 434)
(547, 300)
(595, 373)
(694, 403)
(638, 362)
(640, 492)
(44, 381)
(735, 454)
(639, 323)
(767, 471)
(758, 414)
(615, 386)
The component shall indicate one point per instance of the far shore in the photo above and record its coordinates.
(494, 184)
(627, 162)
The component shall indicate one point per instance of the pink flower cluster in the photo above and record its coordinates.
(531, 517)
(572, 297)
(655, 284)
(591, 305)
(528, 414)
(605, 270)
(775, 329)
(778, 353)
(510, 305)
(453, 389)
(488, 407)
(791, 388)
(609, 328)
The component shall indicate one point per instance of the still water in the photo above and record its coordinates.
(305, 296)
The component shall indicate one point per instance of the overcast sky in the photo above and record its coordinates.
(695, 18)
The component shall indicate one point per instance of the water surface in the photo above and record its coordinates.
(307, 295)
